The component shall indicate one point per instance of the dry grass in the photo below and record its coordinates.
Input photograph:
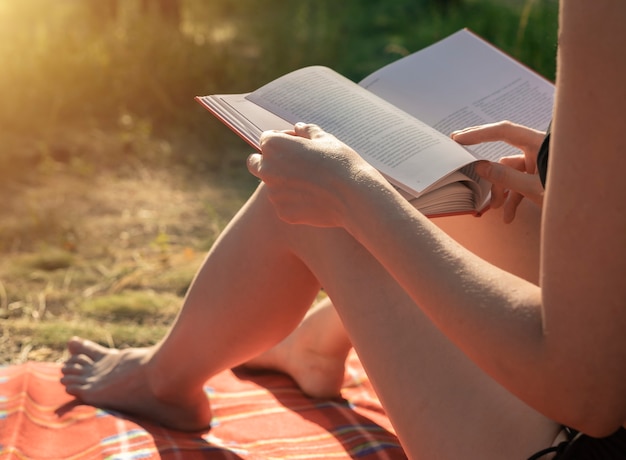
(106, 253)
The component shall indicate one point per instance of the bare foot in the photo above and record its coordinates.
(123, 380)
(314, 355)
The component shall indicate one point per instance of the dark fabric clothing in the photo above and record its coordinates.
(557, 449)
(582, 447)
(585, 447)
(542, 157)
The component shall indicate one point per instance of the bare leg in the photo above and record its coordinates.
(249, 294)
(513, 247)
(314, 354)
(440, 403)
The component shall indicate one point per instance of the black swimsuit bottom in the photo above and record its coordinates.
(583, 447)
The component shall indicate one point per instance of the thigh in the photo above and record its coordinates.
(513, 247)
(440, 403)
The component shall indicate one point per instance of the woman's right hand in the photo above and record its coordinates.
(310, 175)
(515, 177)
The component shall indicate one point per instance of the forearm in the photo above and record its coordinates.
(492, 315)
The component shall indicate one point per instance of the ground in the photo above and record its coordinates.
(106, 252)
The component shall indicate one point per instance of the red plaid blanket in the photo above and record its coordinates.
(256, 416)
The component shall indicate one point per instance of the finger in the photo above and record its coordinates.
(254, 163)
(308, 130)
(498, 196)
(510, 206)
(508, 177)
(272, 141)
(514, 161)
(524, 163)
(498, 193)
(266, 135)
(506, 131)
(501, 131)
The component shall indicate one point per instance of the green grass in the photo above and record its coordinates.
(47, 260)
(27, 340)
(140, 307)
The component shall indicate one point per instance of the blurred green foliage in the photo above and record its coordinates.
(66, 66)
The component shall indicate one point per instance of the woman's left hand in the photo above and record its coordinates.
(310, 175)
(515, 177)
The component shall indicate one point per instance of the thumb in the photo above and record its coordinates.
(254, 163)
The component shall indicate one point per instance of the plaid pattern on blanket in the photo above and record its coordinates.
(256, 416)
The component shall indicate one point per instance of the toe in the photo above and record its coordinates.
(72, 369)
(77, 364)
(73, 384)
(81, 360)
(79, 346)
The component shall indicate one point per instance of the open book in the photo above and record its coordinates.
(400, 117)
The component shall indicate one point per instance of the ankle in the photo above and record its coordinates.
(170, 386)
(160, 380)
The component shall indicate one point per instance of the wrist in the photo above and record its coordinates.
(368, 197)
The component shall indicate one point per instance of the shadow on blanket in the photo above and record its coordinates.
(256, 416)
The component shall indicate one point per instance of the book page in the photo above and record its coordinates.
(464, 81)
(242, 116)
(409, 152)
